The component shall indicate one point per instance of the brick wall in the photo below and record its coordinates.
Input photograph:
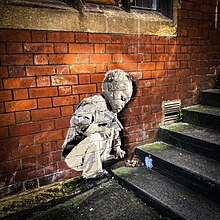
(45, 74)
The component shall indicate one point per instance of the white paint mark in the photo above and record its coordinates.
(216, 15)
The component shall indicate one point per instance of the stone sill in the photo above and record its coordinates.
(58, 16)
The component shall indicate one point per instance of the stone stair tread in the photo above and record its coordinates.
(191, 162)
(205, 109)
(175, 198)
(215, 91)
(195, 131)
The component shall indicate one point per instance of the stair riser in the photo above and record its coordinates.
(150, 200)
(202, 119)
(212, 99)
(201, 147)
(196, 182)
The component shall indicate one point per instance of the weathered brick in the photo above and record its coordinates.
(62, 58)
(38, 36)
(3, 132)
(43, 92)
(8, 144)
(41, 59)
(146, 66)
(99, 48)
(2, 47)
(22, 116)
(82, 68)
(5, 95)
(48, 136)
(116, 48)
(146, 49)
(67, 110)
(40, 70)
(132, 58)
(64, 69)
(62, 123)
(7, 119)
(3, 72)
(64, 80)
(21, 105)
(10, 166)
(61, 48)
(29, 162)
(47, 125)
(84, 79)
(97, 78)
(14, 48)
(20, 94)
(65, 100)
(65, 90)
(80, 48)
(25, 140)
(44, 114)
(21, 59)
(44, 103)
(80, 89)
(117, 58)
(24, 129)
(82, 58)
(43, 160)
(99, 38)
(100, 58)
(38, 48)
(16, 71)
(81, 37)
(100, 68)
(16, 83)
(15, 35)
(26, 152)
(60, 37)
(43, 81)
(125, 67)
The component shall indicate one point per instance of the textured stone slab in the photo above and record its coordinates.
(198, 172)
(210, 97)
(167, 195)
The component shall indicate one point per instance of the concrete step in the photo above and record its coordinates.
(192, 170)
(207, 116)
(203, 141)
(210, 97)
(166, 195)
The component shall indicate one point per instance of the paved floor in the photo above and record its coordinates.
(109, 201)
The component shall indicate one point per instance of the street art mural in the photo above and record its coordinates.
(93, 136)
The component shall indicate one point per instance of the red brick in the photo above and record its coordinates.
(14, 48)
(22, 116)
(20, 94)
(56, 156)
(64, 80)
(130, 39)
(44, 103)
(67, 110)
(47, 125)
(99, 38)
(146, 83)
(81, 37)
(15, 35)
(10, 166)
(158, 90)
(146, 66)
(62, 123)
(100, 58)
(3, 72)
(43, 92)
(61, 48)
(44, 114)
(159, 40)
(41, 59)
(82, 68)
(62, 69)
(66, 100)
(65, 90)
(20, 105)
(28, 162)
(38, 48)
(147, 74)
(132, 49)
(40, 70)
(43, 81)
(160, 65)
(2, 47)
(160, 48)
(117, 58)
(146, 49)
(24, 129)
(63, 59)
(116, 38)
(16, 71)
(84, 79)
(183, 56)
(126, 67)
(163, 57)
(2, 107)
(147, 57)
(26, 152)
(97, 78)
(7, 119)
(100, 68)
(115, 48)
(5, 95)
(38, 36)
(3, 132)
(48, 136)
(44, 159)
(8, 144)
(60, 37)
(99, 48)
(16, 59)
(80, 48)
(159, 73)
(4, 156)
(81, 89)
(82, 58)
(132, 58)
(25, 140)
(16, 83)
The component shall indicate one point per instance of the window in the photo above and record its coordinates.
(144, 4)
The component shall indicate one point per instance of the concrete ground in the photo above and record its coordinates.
(108, 201)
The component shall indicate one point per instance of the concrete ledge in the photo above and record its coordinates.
(58, 16)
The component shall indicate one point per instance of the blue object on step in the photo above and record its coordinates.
(148, 162)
